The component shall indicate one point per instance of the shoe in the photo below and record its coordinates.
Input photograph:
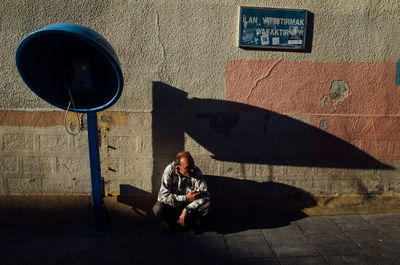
(197, 228)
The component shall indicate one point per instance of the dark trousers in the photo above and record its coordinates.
(171, 214)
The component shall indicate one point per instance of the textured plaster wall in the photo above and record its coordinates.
(177, 57)
(187, 43)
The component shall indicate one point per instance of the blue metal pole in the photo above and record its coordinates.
(95, 170)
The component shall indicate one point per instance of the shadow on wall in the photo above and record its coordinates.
(240, 133)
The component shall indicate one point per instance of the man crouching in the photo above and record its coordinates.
(183, 200)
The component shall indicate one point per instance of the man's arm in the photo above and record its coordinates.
(165, 195)
(203, 195)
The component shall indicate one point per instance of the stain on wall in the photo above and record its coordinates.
(322, 125)
(31, 118)
(53, 118)
(338, 92)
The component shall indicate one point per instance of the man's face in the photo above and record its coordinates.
(186, 168)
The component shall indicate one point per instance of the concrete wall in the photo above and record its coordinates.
(266, 126)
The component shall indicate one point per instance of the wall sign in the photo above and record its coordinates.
(272, 28)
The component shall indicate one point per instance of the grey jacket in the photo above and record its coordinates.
(175, 187)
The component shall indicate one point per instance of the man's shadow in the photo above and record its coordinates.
(237, 205)
(240, 205)
(235, 132)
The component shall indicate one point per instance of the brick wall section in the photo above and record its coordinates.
(125, 151)
(35, 160)
(40, 160)
(48, 160)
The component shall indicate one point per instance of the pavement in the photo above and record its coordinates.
(348, 239)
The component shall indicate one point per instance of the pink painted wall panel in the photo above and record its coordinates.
(304, 87)
(375, 135)
(364, 112)
(360, 127)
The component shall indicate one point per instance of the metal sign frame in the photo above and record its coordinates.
(272, 28)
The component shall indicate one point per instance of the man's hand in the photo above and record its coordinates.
(192, 195)
(182, 217)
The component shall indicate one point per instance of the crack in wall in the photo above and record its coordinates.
(160, 66)
(159, 36)
(263, 78)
